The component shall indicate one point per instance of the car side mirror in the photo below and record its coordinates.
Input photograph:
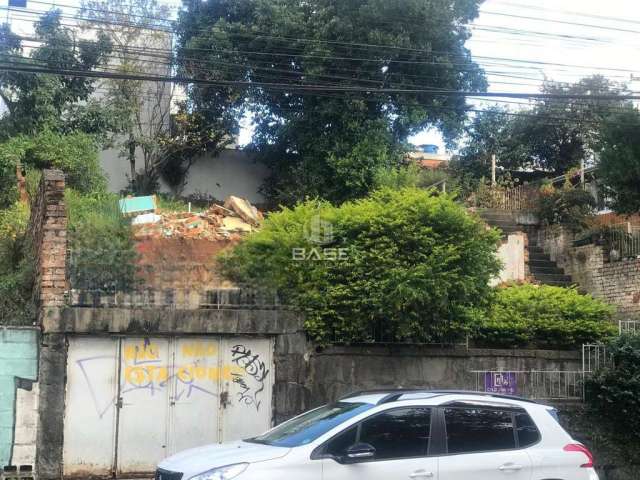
(358, 453)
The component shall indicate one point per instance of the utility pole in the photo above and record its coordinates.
(493, 170)
(584, 186)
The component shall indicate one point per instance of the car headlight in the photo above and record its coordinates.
(222, 473)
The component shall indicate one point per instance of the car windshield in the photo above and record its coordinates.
(307, 427)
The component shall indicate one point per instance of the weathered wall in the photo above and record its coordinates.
(284, 326)
(48, 237)
(340, 370)
(232, 172)
(512, 254)
(18, 395)
(615, 282)
(181, 264)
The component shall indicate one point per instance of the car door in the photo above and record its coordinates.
(400, 437)
(482, 444)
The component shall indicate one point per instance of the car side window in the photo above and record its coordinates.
(398, 433)
(338, 445)
(527, 431)
(478, 430)
(395, 434)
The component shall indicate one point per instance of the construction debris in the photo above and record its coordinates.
(237, 218)
(244, 209)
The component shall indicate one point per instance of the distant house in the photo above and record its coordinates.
(429, 156)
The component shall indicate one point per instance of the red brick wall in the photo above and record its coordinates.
(48, 236)
(180, 264)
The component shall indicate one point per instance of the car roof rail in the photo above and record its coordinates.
(485, 394)
(393, 395)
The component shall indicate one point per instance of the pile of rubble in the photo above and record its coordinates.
(229, 222)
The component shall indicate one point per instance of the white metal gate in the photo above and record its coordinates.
(130, 402)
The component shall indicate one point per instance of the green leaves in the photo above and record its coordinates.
(620, 161)
(103, 255)
(38, 102)
(613, 393)
(568, 206)
(322, 143)
(545, 317)
(414, 266)
(75, 154)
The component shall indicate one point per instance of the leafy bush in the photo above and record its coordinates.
(412, 175)
(613, 393)
(75, 154)
(103, 252)
(543, 316)
(411, 265)
(568, 206)
(16, 268)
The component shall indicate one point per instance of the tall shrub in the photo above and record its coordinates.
(613, 393)
(398, 265)
(543, 316)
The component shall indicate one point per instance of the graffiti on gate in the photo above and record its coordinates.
(144, 367)
(253, 366)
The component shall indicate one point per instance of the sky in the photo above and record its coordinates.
(579, 37)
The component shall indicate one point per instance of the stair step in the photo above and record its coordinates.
(535, 249)
(545, 270)
(553, 277)
(540, 256)
(535, 263)
(558, 284)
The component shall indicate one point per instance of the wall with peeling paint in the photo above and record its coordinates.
(18, 395)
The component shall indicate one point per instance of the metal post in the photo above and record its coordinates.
(493, 170)
(584, 186)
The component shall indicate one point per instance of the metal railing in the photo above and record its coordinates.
(595, 356)
(534, 384)
(520, 197)
(624, 239)
(629, 327)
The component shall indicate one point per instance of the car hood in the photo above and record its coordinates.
(201, 459)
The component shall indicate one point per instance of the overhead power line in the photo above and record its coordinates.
(305, 87)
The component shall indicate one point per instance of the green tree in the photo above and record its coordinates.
(318, 143)
(613, 392)
(553, 136)
(76, 154)
(35, 102)
(620, 161)
(488, 133)
(398, 265)
(168, 144)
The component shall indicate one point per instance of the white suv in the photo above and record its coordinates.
(400, 434)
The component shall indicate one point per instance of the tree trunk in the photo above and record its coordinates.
(132, 158)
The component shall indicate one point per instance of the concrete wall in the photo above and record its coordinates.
(18, 395)
(232, 172)
(340, 370)
(512, 254)
(615, 282)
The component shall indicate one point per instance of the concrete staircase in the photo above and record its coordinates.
(542, 269)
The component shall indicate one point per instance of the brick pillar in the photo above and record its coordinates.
(48, 232)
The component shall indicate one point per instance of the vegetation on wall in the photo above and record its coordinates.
(400, 265)
(102, 249)
(76, 154)
(568, 206)
(614, 392)
(16, 269)
(543, 316)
